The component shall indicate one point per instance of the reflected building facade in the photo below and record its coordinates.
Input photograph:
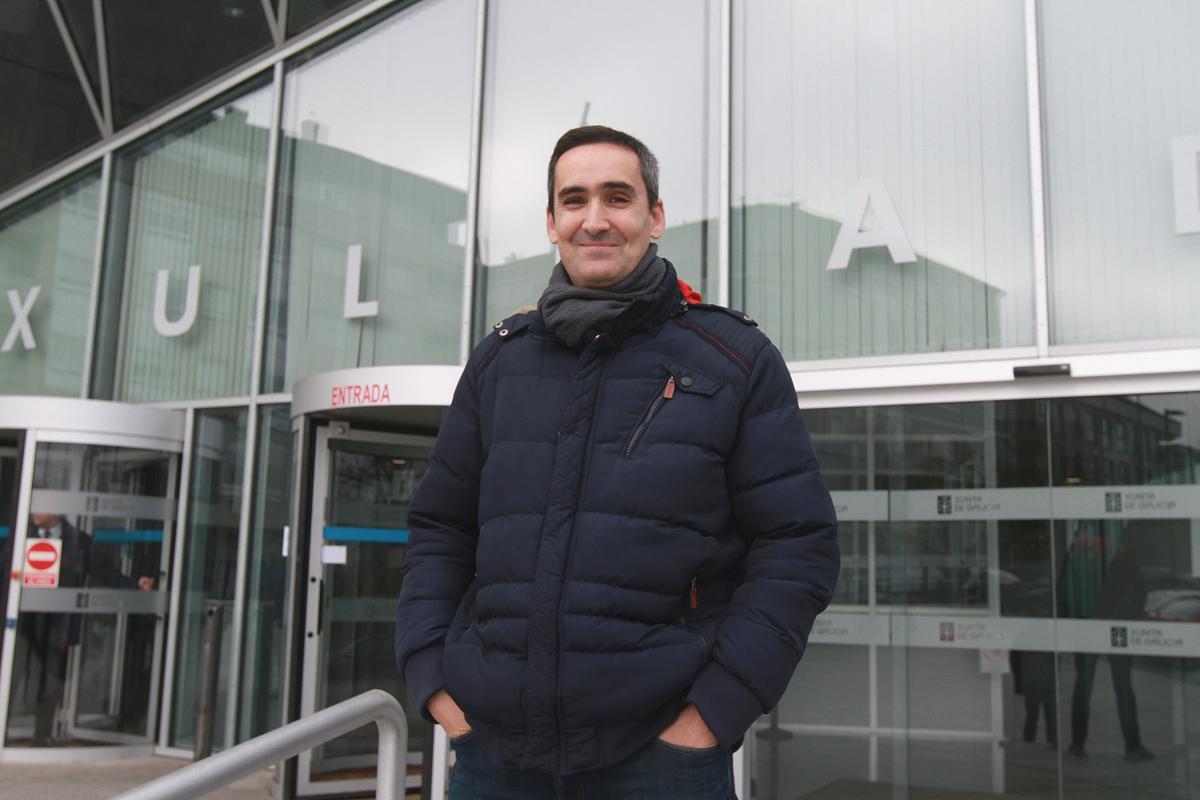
(970, 228)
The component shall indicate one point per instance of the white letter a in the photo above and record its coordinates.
(871, 193)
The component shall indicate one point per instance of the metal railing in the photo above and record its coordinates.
(262, 751)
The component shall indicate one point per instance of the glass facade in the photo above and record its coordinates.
(263, 657)
(1014, 546)
(368, 267)
(181, 269)
(47, 252)
(881, 176)
(209, 569)
(1021, 559)
(1123, 139)
(675, 44)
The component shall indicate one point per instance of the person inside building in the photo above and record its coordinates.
(48, 636)
(623, 537)
(1101, 580)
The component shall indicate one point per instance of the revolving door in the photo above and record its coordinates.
(87, 517)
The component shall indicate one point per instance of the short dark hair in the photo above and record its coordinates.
(597, 134)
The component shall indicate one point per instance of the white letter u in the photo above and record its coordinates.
(184, 324)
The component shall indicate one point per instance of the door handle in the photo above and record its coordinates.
(320, 606)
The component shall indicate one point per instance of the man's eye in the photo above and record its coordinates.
(619, 199)
(572, 201)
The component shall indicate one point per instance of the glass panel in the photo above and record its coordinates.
(1122, 98)
(158, 51)
(368, 262)
(370, 487)
(669, 55)
(47, 256)
(181, 271)
(915, 137)
(306, 13)
(1032, 580)
(209, 563)
(266, 590)
(840, 436)
(38, 86)
(89, 631)
(10, 485)
(1128, 544)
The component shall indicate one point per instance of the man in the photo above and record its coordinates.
(50, 636)
(622, 540)
(1100, 579)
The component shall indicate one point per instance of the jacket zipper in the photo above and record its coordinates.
(666, 394)
(693, 603)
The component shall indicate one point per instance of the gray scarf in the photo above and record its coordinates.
(574, 313)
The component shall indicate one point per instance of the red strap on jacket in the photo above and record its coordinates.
(689, 294)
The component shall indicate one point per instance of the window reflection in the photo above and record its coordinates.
(370, 221)
(866, 116)
(1121, 91)
(669, 56)
(1018, 588)
(47, 255)
(182, 263)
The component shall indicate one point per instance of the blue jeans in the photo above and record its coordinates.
(659, 771)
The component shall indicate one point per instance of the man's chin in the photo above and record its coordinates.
(595, 273)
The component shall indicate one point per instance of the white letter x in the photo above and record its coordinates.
(20, 320)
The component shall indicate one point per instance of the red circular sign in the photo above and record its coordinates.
(42, 555)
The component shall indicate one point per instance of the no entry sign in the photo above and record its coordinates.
(43, 559)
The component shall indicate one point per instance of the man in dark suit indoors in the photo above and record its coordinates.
(50, 636)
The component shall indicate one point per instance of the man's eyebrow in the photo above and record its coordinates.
(607, 185)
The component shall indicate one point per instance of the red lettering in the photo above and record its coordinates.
(359, 394)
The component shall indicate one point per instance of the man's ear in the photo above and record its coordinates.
(659, 215)
(551, 234)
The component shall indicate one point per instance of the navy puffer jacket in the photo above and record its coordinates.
(605, 535)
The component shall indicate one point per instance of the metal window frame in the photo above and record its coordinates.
(189, 102)
(101, 114)
(466, 332)
(1037, 177)
(85, 378)
(167, 705)
(237, 633)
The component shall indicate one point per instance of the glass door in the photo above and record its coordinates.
(10, 461)
(92, 555)
(363, 483)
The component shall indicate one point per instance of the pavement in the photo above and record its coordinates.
(104, 779)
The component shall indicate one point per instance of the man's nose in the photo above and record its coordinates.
(596, 221)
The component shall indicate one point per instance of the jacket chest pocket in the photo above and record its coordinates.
(677, 379)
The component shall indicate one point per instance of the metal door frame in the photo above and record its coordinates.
(313, 575)
(164, 587)
(46, 420)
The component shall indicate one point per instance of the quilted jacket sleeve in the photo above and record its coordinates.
(783, 512)
(440, 561)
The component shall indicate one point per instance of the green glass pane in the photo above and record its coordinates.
(47, 253)
(181, 272)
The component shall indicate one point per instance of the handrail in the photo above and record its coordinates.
(260, 752)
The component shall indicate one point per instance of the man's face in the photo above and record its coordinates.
(602, 220)
(44, 521)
